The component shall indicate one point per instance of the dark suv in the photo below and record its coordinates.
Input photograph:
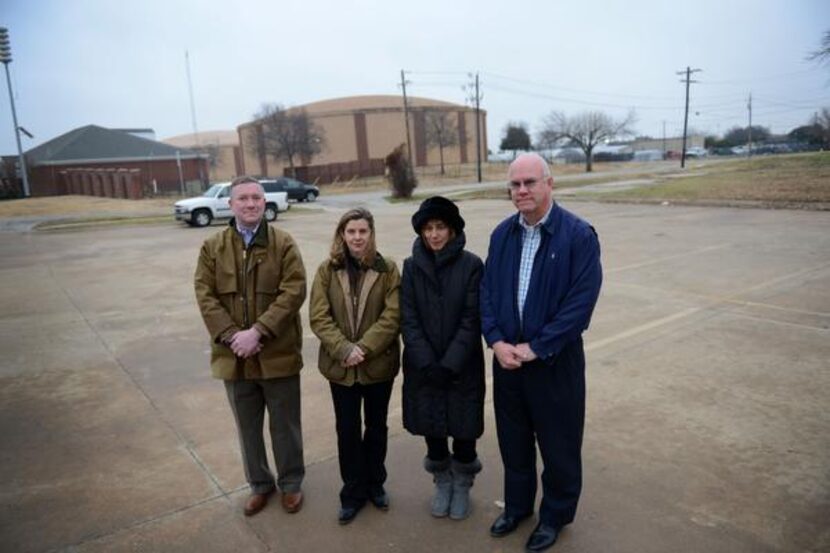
(295, 189)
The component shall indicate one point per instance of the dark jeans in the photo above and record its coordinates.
(463, 451)
(544, 404)
(361, 451)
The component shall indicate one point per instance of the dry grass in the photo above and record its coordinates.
(75, 205)
(798, 180)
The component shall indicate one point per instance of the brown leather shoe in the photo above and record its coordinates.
(292, 502)
(256, 502)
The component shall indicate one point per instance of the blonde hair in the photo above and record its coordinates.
(339, 249)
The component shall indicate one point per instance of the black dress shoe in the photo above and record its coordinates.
(381, 501)
(347, 514)
(505, 524)
(543, 536)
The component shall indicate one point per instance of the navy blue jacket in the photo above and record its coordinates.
(564, 284)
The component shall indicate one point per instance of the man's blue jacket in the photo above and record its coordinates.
(564, 284)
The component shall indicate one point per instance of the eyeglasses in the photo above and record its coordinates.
(529, 184)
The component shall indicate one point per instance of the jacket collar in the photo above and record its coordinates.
(424, 257)
(548, 226)
(380, 265)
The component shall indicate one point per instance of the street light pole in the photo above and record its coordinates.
(6, 58)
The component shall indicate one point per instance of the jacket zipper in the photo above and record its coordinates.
(355, 302)
(245, 287)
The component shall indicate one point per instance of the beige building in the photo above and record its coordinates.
(225, 161)
(360, 131)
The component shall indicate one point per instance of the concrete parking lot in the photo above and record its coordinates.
(707, 428)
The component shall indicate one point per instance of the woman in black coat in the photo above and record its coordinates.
(443, 360)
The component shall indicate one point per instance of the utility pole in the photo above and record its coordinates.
(749, 107)
(406, 121)
(179, 167)
(475, 99)
(190, 92)
(6, 59)
(688, 81)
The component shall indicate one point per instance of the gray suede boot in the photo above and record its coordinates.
(463, 475)
(442, 477)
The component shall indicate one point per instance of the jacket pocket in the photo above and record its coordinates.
(384, 366)
(227, 288)
(267, 276)
(263, 302)
(227, 281)
(330, 368)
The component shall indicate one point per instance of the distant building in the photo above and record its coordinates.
(360, 131)
(98, 161)
(221, 147)
(673, 144)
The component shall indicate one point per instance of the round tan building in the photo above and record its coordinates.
(360, 131)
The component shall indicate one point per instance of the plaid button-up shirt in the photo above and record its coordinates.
(531, 238)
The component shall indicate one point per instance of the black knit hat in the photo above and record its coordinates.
(438, 207)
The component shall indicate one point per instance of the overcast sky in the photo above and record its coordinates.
(122, 64)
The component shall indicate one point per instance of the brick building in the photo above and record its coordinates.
(97, 161)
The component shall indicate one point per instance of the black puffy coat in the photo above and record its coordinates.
(440, 323)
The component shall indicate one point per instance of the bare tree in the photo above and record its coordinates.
(584, 130)
(441, 131)
(822, 55)
(287, 134)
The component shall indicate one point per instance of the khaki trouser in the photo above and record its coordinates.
(281, 396)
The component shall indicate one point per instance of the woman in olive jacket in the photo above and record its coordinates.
(443, 360)
(354, 312)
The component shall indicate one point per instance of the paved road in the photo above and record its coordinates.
(707, 405)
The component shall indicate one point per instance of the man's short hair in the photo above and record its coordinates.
(540, 159)
(244, 179)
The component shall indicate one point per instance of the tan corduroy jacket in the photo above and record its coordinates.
(374, 325)
(263, 286)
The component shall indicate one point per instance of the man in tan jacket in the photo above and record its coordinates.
(250, 284)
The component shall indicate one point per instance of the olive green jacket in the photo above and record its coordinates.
(263, 286)
(374, 326)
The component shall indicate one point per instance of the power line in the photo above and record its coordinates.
(553, 87)
(574, 101)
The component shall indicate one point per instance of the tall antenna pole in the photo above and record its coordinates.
(478, 130)
(406, 120)
(688, 81)
(749, 107)
(192, 104)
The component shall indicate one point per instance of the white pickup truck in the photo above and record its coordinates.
(215, 204)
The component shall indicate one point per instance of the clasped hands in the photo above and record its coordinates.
(245, 343)
(355, 357)
(511, 357)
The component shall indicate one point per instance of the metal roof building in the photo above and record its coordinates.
(74, 162)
